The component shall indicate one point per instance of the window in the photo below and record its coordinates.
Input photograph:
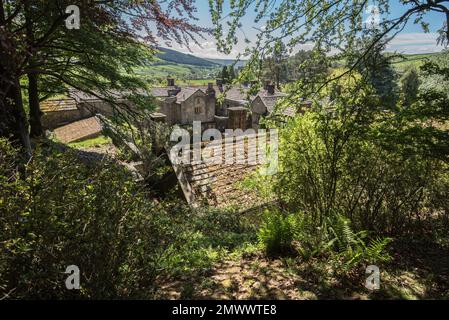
(198, 105)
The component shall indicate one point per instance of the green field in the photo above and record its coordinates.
(409, 60)
(185, 74)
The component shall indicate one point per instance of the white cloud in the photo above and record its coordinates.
(415, 43)
(206, 49)
(403, 43)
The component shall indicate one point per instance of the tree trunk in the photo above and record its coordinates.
(33, 93)
(35, 111)
(14, 124)
(13, 120)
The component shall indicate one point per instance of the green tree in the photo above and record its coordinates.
(231, 72)
(225, 74)
(347, 157)
(376, 67)
(335, 25)
(409, 86)
(52, 51)
(280, 56)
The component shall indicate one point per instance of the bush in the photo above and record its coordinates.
(376, 168)
(62, 211)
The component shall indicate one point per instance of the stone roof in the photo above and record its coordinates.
(186, 93)
(269, 100)
(58, 105)
(79, 130)
(214, 183)
(161, 91)
(80, 96)
(237, 93)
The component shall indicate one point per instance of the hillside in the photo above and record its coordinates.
(227, 62)
(168, 56)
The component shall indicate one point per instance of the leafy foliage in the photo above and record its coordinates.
(347, 156)
(61, 211)
(281, 233)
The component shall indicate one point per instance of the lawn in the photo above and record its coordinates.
(90, 143)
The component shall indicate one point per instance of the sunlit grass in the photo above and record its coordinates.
(89, 143)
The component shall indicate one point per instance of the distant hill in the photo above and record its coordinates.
(172, 56)
(227, 62)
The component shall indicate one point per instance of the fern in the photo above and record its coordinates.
(351, 247)
(375, 250)
(276, 232)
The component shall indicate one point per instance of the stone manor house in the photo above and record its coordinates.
(181, 105)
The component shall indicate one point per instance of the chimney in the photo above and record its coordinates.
(173, 92)
(210, 89)
(304, 106)
(266, 84)
(270, 88)
(170, 82)
(219, 82)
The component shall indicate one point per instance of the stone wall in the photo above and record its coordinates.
(197, 108)
(237, 118)
(54, 119)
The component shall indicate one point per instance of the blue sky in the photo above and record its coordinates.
(411, 40)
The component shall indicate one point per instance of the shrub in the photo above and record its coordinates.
(376, 168)
(63, 211)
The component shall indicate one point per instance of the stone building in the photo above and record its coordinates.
(238, 108)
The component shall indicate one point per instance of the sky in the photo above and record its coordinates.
(411, 40)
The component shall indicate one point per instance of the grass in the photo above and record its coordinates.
(409, 60)
(89, 143)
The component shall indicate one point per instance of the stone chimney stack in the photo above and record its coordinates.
(170, 82)
(219, 83)
(210, 89)
(304, 106)
(270, 89)
(266, 84)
